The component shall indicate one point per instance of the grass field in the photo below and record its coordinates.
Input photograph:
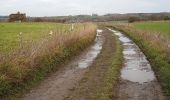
(154, 43)
(162, 27)
(26, 58)
(9, 33)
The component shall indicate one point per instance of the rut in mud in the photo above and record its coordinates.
(61, 83)
(90, 85)
(137, 80)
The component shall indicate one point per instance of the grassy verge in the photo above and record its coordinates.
(31, 65)
(156, 49)
(111, 77)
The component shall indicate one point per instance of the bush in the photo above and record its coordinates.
(133, 19)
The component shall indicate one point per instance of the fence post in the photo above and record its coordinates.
(21, 40)
(72, 27)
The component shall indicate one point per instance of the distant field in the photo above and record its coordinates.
(161, 26)
(9, 33)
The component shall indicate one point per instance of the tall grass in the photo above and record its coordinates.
(156, 48)
(32, 62)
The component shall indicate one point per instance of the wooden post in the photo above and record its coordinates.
(72, 27)
(21, 40)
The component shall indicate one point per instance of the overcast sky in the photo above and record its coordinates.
(75, 7)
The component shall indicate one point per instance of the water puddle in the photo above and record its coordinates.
(61, 83)
(136, 67)
(93, 52)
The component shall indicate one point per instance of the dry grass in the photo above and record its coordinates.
(36, 60)
(156, 39)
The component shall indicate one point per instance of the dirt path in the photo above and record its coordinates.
(137, 81)
(61, 83)
(93, 80)
(83, 76)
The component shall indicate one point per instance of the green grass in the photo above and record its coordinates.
(108, 91)
(9, 33)
(161, 26)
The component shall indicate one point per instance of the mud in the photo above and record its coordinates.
(86, 60)
(61, 83)
(137, 80)
(93, 80)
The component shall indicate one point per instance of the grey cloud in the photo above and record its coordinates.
(72, 7)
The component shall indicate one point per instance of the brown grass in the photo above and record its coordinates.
(157, 40)
(21, 64)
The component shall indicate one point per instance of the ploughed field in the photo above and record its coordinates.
(28, 51)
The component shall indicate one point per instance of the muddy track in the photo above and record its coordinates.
(137, 80)
(60, 84)
(93, 80)
(83, 76)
